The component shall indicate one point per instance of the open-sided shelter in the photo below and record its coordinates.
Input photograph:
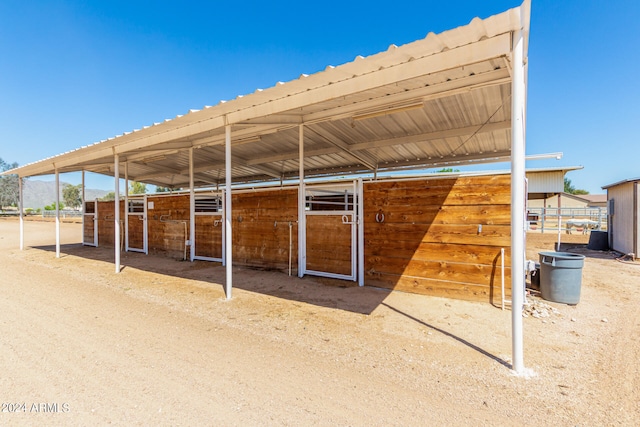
(452, 98)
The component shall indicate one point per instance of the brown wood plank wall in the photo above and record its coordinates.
(136, 231)
(260, 224)
(328, 244)
(106, 223)
(434, 236)
(439, 237)
(209, 236)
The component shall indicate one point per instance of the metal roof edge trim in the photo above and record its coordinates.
(624, 181)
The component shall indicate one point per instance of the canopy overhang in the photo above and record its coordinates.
(441, 100)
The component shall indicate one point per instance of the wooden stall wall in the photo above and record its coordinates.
(260, 222)
(439, 237)
(106, 223)
(168, 225)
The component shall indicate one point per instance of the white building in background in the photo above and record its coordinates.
(623, 199)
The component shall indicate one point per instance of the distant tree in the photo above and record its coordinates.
(447, 170)
(52, 207)
(9, 188)
(160, 189)
(570, 189)
(71, 195)
(137, 188)
(108, 197)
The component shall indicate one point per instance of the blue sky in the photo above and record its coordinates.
(75, 72)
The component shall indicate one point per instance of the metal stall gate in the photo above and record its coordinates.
(331, 243)
(137, 233)
(90, 223)
(209, 227)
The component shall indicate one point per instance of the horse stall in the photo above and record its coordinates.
(209, 227)
(265, 228)
(442, 236)
(106, 223)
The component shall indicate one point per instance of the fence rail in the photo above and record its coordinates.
(567, 219)
(63, 214)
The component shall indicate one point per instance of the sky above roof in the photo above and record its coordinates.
(76, 72)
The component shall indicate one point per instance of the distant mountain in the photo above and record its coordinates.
(38, 194)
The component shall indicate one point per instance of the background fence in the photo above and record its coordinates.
(63, 214)
(570, 220)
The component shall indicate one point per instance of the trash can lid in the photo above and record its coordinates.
(562, 255)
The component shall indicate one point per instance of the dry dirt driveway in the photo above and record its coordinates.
(157, 344)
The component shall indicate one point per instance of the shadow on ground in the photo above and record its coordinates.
(319, 291)
(325, 292)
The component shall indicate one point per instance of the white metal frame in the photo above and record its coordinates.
(90, 217)
(350, 217)
(142, 216)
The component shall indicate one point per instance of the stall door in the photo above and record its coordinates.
(136, 235)
(90, 223)
(331, 230)
(208, 227)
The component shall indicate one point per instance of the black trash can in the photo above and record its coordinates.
(598, 241)
(561, 276)
(535, 277)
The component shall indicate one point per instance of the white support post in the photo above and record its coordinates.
(360, 198)
(223, 226)
(21, 207)
(192, 210)
(57, 214)
(302, 228)
(82, 207)
(517, 200)
(559, 221)
(228, 218)
(116, 208)
(126, 207)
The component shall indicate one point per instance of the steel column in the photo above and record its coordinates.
(228, 218)
(518, 197)
(192, 210)
(360, 222)
(126, 207)
(57, 214)
(82, 196)
(116, 207)
(20, 206)
(302, 228)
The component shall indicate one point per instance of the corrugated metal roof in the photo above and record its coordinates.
(444, 99)
(624, 181)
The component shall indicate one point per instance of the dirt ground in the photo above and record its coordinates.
(158, 344)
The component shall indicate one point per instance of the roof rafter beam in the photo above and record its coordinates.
(410, 164)
(276, 119)
(424, 137)
(345, 148)
(164, 171)
(450, 133)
